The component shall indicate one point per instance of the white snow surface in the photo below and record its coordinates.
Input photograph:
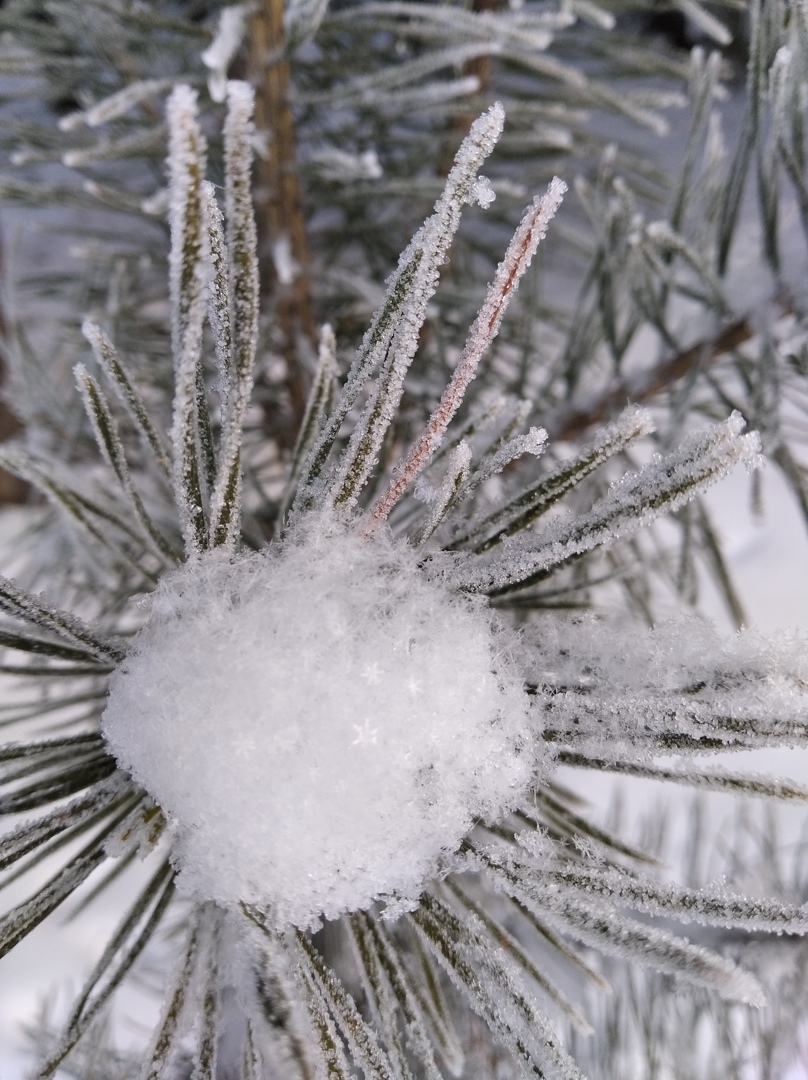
(322, 721)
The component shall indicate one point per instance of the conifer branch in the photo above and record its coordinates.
(280, 212)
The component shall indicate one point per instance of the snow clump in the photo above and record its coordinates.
(321, 721)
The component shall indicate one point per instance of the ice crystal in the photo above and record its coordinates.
(290, 712)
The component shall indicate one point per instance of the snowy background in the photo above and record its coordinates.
(768, 560)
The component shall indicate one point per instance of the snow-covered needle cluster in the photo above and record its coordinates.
(337, 726)
(290, 710)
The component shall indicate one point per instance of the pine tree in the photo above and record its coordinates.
(335, 725)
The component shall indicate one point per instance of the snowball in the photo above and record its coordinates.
(322, 722)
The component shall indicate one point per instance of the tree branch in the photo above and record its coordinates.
(573, 419)
(279, 202)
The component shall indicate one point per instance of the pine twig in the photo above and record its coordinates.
(574, 419)
(280, 204)
(481, 67)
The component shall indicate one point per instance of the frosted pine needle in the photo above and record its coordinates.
(531, 232)
(117, 104)
(188, 275)
(393, 333)
(243, 324)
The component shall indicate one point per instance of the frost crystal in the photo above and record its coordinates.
(322, 722)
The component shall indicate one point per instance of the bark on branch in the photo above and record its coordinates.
(573, 419)
(279, 203)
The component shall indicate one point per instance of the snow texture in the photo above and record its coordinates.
(292, 712)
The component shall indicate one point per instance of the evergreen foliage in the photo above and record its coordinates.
(216, 440)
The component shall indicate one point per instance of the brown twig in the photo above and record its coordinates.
(574, 418)
(279, 202)
(480, 66)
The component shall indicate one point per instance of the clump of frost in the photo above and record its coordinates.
(219, 54)
(286, 266)
(321, 721)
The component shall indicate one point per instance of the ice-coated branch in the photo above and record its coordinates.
(243, 288)
(301, 19)
(523, 958)
(677, 689)
(493, 986)
(188, 273)
(481, 419)
(85, 808)
(21, 920)
(531, 31)
(383, 1014)
(425, 994)
(714, 780)
(147, 141)
(91, 516)
(281, 974)
(596, 922)
(706, 905)
(117, 104)
(209, 964)
(532, 442)
(116, 961)
(360, 1037)
(324, 1038)
(389, 983)
(393, 333)
(170, 1031)
(531, 231)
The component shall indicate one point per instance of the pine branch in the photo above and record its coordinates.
(576, 418)
(280, 213)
